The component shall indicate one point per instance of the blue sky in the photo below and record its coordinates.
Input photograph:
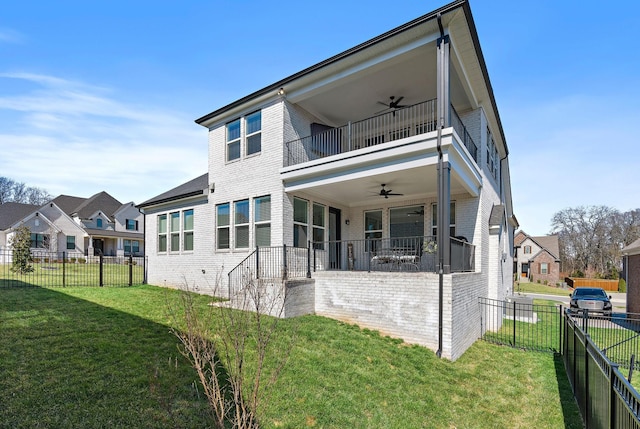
(103, 96)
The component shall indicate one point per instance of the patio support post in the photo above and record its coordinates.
(444, 197)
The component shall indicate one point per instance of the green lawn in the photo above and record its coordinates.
(104, 357)
(540, 288)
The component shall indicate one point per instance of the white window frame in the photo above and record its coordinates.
(318, 223)
(262, 219)
(239, 222)
(233, 140)
(220, 226)
(253, 135)
(186, 231)
(163, 234)
(452, 219)
(174, 232)
(300, 224)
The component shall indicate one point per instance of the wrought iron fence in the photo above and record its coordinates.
(61, 269)
(390, 254)
(606, 398)
(277, 262)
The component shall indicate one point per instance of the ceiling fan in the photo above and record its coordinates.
(386, 192)
(392, 104)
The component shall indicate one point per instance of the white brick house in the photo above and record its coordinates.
(317, 161)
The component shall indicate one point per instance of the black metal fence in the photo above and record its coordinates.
(277, 262)
(599, 353)
(605, 396)
(62, 269)
(390, 254)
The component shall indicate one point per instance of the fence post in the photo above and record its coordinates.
(514, 323)
(100, 261)
(258, 262)
(613, 367)
(64, 263)
(130, 270)
(284, 257)
(560, 349)
(349, 136)
(315, 262)
(309, 259)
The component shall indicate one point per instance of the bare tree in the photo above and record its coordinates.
(235, 348)
(591, 238)
(6, 190)
(18, 192)
(37, 196)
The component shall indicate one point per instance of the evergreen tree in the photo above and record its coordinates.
(21, 245)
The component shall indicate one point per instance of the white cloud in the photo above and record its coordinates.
(73, 138)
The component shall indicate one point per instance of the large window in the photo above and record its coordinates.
(162, 233)
(39, 241)
(452, 220)
(71, 242)
(222, 221)
(262, 220)
(233, 140)
(175, 231)
(300, 222)
(187, 229)
(241, 223)
(372, 229)
(318, 223)
(406, 227)
(131, 247)
(132, 225)
(254, 132)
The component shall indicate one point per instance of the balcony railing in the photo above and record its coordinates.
(390, 254)
(395, 125)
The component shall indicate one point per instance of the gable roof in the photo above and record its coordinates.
(191, 188)
(550, 243)
(86, 207)
(10, 213)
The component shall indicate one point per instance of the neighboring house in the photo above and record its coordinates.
(312, 161)
(86, 226)
(631, 274)
(537, 258)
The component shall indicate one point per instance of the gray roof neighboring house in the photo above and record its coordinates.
(191, 188)
(10, 213)
(99, 202)
(632, 249)
(550, 243)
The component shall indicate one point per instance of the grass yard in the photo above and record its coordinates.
(104, 357)
(540, 288)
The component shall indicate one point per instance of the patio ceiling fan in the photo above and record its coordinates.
(386, 192)
(393, 104)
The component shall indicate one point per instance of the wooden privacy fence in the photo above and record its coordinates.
(610, 285)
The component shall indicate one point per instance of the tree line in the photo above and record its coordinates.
(19, 192)
(591, 239)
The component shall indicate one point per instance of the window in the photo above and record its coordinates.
(162, 233)
(492, 155)
(254, 128)
(452, 220)
(132, 225)
(71, 242)
(406, 227)
(318, 222)
(241, 223)
(222, 220)
(233, 140)
(300, 222)
(175, 231)
(527, 249)
(39, 241)
(372, 229)
(187, 229)
(544, 268)
(131, 247)
(99, 223)
(262, 220)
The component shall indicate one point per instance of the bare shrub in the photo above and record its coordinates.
(235, 347)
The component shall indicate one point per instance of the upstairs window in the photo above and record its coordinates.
(132, 225)
(233, 140)
(527, 250)
(99, 223)
(254, 133)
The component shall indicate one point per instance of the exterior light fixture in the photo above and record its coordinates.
(281, 92)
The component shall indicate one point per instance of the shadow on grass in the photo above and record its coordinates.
(570, 410)
(69, 362)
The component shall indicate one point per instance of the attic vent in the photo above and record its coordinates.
(212, 186)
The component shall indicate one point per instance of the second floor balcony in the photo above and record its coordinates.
(397, 124)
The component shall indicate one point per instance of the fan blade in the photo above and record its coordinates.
(398, 101)
(390, 193)
(384, 104)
